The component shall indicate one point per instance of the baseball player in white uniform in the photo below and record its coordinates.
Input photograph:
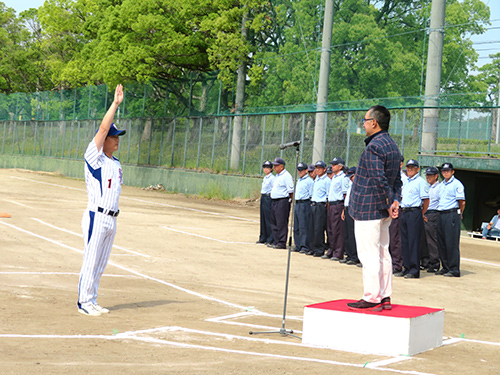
(103, 177)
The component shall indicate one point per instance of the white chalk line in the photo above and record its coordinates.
(152, 340)
(58, 273)
(480, 262)
(145, 201)
(81, 236)
(206, 237)
(14, 202)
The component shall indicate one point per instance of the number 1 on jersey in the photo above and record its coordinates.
(109, 183)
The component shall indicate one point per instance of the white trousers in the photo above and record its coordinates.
(372, 240)
(98, 234)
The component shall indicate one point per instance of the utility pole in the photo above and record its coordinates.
(324, 73)
(433, 77)
(240, 100)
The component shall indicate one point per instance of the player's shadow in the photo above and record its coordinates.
(144, 304)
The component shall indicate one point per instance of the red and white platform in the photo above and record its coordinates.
(404, 330)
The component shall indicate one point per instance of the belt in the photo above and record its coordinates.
(318, 203)
(266, 194)
(279, 199)
(449, 211)
(302, 200)
(431, 211)
(410, 209)
(335, 202)
(108, 212)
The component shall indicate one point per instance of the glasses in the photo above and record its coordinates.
(367, 119)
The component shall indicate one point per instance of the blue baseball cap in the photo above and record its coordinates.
(412, 163)
(311, 168)
(301, 166)
(320, 164)
(278, 161)
(329, 170)
(337, 161)
(351, 172)
(267, 164)
(447, 166)
(431, 170)
(113, 130)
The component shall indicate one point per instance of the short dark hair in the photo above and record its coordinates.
(382, 115)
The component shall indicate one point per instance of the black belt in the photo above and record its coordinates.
(410, 209)
(108, 212)
(267, 195)
(318, 203)
(448, 211)
(431, 211)
(302, 200)
(333, 203)
(279, 199)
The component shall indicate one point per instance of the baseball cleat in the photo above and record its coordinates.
(89, 309)
(103, 310)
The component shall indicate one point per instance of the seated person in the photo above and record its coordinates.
(493, 227)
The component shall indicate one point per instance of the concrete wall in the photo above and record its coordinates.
(174, 180)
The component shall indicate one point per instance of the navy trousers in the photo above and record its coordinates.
(266, 233)
(301, 224)
(449, 224)
(318, 221)
(350, 248)
(335, 229)
(411, 225)
(279, 223)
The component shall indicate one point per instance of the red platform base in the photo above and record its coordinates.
(404, 330)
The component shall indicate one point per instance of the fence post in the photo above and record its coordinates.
(161, 140)
(216, 123)
(403, 133)
(459, 132)
(129, 131)
(24, 136)
(199, 144)
(186, 142)
(245, 146)
(173, 143)
(491, 129)
(282, 133)
(349, 119)
(150, 139)
(302, 131)
(262, 143)
(229, 143)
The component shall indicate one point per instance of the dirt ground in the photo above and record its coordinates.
(186, 283)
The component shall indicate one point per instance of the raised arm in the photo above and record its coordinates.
(102, 133)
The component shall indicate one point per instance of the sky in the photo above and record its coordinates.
(485, 44)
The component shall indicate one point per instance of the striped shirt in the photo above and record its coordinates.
(104, 179)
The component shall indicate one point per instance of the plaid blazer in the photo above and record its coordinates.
(377, 183)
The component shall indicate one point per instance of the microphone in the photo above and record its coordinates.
(289, 144)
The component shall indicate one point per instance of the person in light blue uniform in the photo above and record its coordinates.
(414, 203)
(395, 232)
(266, 233)
(493, 227)
(430, 257)
(451, 209)
(281, 195)
(302, 213)
(319, 198)
(335, 207)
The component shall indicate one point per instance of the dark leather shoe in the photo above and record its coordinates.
(324, 256)
(451, 274)
(351, 262)
(360, 265)
(362, 305)
(432, 269)
(270, 245)
(343, 261)
(279, 247)
(303, 251)
(319, 255)
(386, 303)
(334, 258)
(399, 274)
(442, 271)
(310, 252)
(411, 276)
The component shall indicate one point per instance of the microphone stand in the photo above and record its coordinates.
(283, 331)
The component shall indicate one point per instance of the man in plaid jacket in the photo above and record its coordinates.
(375, 196)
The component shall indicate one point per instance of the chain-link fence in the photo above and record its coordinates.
(204, 143)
